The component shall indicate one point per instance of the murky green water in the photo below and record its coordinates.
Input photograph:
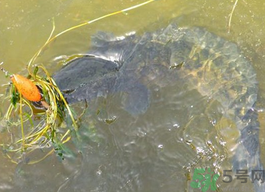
(143, 153)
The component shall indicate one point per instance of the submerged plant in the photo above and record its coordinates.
(39, 89)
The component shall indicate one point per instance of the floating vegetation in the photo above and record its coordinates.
(231, 15)
(25, 93)
(38, 97)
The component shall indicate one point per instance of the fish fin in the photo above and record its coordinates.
(136, 99)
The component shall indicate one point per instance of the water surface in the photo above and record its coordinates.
(135, 153)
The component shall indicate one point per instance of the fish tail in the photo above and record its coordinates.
(247, 156)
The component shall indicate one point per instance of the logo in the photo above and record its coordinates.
(204, 179)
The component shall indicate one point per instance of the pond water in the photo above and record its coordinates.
(154, 151)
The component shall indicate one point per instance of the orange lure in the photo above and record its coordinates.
(26, 87)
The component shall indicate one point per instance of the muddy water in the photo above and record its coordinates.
(143, 153)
